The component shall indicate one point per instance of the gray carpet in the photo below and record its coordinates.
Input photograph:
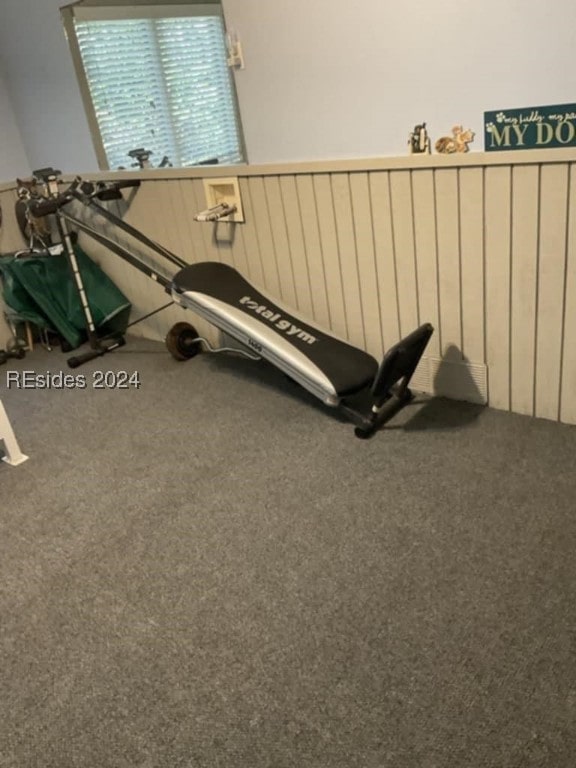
(211, 571)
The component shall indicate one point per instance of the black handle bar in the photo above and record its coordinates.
(39, 207)
(92, 354)
(106, 191)
(82, 190)
(126, 184)
(114, 191)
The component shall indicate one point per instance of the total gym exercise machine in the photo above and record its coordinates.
(333, 370)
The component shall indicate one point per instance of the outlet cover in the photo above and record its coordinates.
(227, 190)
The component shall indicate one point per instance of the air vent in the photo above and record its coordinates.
(459, 380)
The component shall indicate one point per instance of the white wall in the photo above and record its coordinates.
(43, 87)
(324, 79)
(13, 160)
(336, 79)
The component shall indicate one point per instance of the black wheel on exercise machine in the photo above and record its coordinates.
(182, 341)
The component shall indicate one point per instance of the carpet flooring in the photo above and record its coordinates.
(208, 570)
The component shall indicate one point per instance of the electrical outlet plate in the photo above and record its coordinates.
(227, 190)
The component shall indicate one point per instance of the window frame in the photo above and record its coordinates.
(102, 10)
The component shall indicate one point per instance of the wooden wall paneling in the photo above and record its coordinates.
(297, 249)
(165, 229)
(449, 282)
(190, 206)
(171, 225)
(230, 242)
(140, 210)
(384, 256)
(179, 223)
(167, 224)
(425, 245)
(230, 236)
(149, 211)
(551, 280)
(223, 234)
(524, 277)
(162, 216)
(364, 235)
(403, 235)
(471, 186)
(312, 249)
(249, 237)
(280, 246)
(206, 228)
(237, 249)
(264, 235)
(568, 381)
(497, 265)
(348, 258)
(330, 254)
(159, 223)
(11, 240)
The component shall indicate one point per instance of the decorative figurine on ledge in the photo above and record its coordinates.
(419, 142)
(458, 142)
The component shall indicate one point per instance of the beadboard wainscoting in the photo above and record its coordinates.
(10, 240)
(483, 246)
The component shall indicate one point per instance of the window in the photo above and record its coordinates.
(155, 78)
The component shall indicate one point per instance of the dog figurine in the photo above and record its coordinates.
(458, 142)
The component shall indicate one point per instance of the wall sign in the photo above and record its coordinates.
(530, 128)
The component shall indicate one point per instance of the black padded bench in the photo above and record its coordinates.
(331, 369)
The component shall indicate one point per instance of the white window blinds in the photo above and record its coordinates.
(161, 84)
